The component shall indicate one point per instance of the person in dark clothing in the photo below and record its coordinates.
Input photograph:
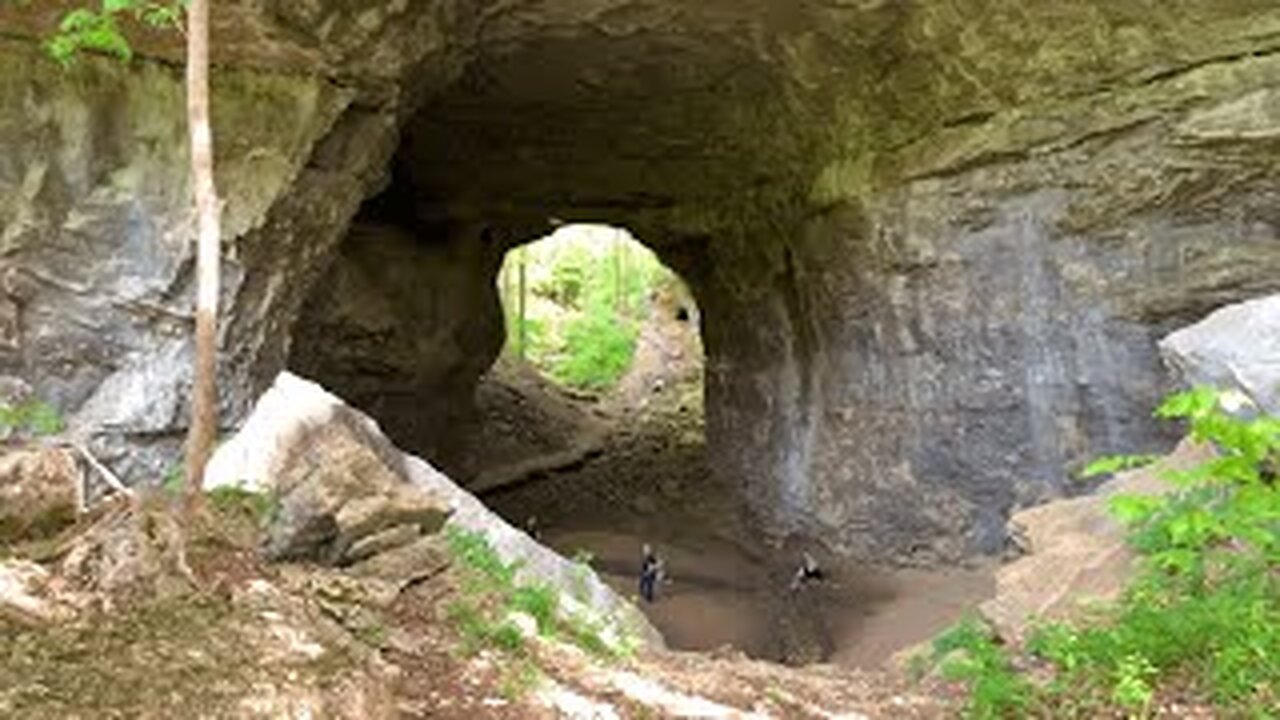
(650, 573)
(808, 572)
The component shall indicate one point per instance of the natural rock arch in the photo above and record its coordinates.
(933, 242)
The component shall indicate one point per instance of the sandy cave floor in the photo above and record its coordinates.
(650, 483)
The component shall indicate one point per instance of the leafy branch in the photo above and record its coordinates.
(85, 30)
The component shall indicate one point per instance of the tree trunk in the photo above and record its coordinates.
(204, 402)
(523, 335)
(618, 301)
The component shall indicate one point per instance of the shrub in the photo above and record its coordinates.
(492, 594)
(598, 352)
(968, 652)
(1203, 613)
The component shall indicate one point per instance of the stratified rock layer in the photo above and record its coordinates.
(933, 242)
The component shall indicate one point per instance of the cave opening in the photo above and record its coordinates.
(723, 471)
(590, 308)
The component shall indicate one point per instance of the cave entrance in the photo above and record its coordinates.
(592, 309)
(592, 425)
(409, 324)
(592, 415)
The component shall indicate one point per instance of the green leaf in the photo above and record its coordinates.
(1134, 509)
(160, 15)
(1189, 404)
(78, 20)
(44, 419)
(1116, 463)
(10, 417)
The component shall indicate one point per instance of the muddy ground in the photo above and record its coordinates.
(645, 479)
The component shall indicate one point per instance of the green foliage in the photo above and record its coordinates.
(173, 480)
(589, 635)
(1204, 613)
(600, 351)
(968, 652)
(100, 30)
(260, 507)
(1225, 640)
(1224, 516)
(479, 629)
(35, 418)
(473, 550)
(1116, 463)
(586, 300)
(492, 594)
(519, 679)
(540, 602)
(566, 283)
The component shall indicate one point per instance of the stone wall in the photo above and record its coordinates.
(933, 241)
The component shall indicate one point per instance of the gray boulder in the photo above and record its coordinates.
(1236, 347)
(336, 489)
(343, 487)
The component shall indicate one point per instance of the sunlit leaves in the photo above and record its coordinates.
(1116, 463)
(85, 30)
(1132, 509)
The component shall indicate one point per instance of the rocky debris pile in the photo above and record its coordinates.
(527, 427)
(1076, 552)
(347, 496)
(254, 650)
(121, 550)
(39, 492)
(1236, 347)
(39, 497)
(26, 594)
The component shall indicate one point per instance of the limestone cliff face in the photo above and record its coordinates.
(933, 241)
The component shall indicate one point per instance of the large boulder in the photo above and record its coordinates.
(1077, 552)
(338, 491)
(39, 492)
(330, 465)
(1237, 347)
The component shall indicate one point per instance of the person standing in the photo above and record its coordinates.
(650, 573)
(808, 572)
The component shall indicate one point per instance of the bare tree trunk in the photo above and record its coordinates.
(508, 294)
(521, 319)
(618, 302)
(204, 401)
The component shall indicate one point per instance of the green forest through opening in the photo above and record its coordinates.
(575, 303)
